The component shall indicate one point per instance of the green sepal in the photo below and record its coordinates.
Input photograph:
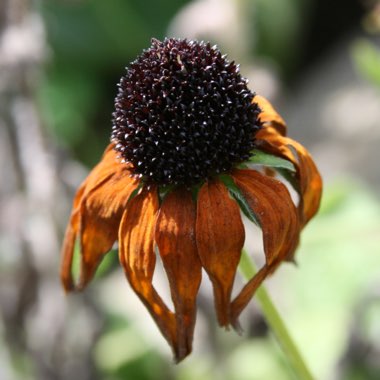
(261, 158)
(164, 190)
(290, 177)
(195, 190)
(135, 191)
(239, 197)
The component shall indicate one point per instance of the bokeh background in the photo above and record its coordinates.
(318, 61)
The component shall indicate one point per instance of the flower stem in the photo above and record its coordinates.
(274, 320)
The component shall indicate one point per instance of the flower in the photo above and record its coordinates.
(191, 148)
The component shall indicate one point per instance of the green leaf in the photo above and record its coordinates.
(238, 196)
(261, 158)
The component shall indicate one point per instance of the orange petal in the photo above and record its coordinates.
(101, 212)
(175, 238)
(220, 238)
(309, 179)
(273, 207)
(99, 174)
(104, 169)
(97, 209)
(68, 246)
(271, 202)
(269, 115)
(137, 256)
(245, 295)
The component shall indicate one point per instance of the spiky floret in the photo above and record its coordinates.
(183, 114)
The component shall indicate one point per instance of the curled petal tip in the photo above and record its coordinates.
(246, 294)
(269, 115)
(81, 285)
(293, 261)
(237, 327)
(67, 258)
(67, 288)
(181, 353)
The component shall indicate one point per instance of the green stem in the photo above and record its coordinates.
(272, 316)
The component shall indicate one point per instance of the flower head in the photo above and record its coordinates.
(183, 114)
(192, 147)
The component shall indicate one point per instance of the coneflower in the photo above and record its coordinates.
(190, 150)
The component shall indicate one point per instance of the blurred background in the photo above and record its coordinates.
(318, 61)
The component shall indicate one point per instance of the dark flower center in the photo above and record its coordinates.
(183, 114)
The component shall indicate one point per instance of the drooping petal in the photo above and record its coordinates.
(68, 246)
(274, 209)
(97, 209)
(137, 256)
(67, 258)
(103, 170)
(272, 204)
(246, 294)
(309, 179)
(101, 212)
(220, 238)
(175, 238)
(270, 115)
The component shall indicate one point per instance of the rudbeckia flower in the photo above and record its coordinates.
(192, 148)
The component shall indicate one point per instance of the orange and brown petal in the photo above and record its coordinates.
(106, 167)
(272, 139)
(273, 206)
(137, 256)
(175, 239)
(95, 218)
(276, 213)
(307, 175)
(101, 213)
(269, 115)
(220, 238)
(67, 254)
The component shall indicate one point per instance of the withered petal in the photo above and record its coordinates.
(100, 173)
(97, 209)
(137, 256)
(309, 179)
(246, 294)
(67, 255)
(68, 246)
(175, 238)
(103, 170)
(269, 115)
(220, 239)
(272, 204)
(101, 212)
(273, 207)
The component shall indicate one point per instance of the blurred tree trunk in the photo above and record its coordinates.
(33, 309)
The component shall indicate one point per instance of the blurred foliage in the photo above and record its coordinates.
(366, 57)
(278, 39)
